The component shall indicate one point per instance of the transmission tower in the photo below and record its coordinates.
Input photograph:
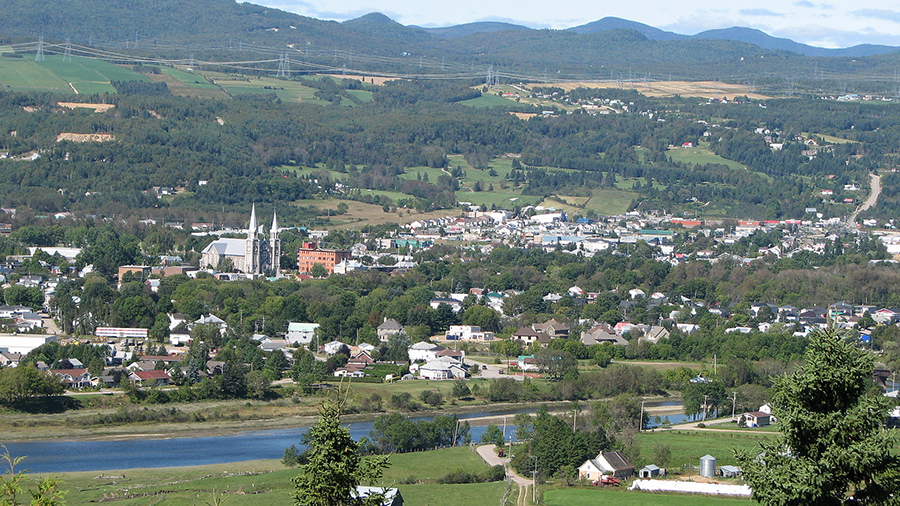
(282, 66)
(191, 63)
(40, 50)
(67, 55)
(491, 77)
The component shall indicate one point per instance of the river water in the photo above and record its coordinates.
(68, 456)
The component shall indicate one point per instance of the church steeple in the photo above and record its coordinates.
(252, 253)
(274, 246)
(251, 230)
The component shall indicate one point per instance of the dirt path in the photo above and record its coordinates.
(875, 182)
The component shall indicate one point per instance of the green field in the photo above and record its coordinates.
(361, 95)
(592, 497)
(688, 446)
(609, 202)
(268, 482)
(488, 101)
(89, 88)
(25, 74)
(285, 90)
(700, 156)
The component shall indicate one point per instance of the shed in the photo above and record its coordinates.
(730, 471)
(649, 471)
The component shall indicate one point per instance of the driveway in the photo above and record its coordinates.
(487, 453)
(492, 371)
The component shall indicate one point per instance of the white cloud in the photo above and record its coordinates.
(761, 12)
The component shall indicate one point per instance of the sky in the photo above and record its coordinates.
(830, 23)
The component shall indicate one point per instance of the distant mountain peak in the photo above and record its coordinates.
(372, 18)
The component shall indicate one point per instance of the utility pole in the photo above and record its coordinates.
(641, 420)
(733, 405)
(705, 407)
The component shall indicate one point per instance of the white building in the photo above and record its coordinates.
(301, 333)
(22, 343)
(468, 333)
(423, 351)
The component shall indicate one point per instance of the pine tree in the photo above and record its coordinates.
(832, 445)
(335, 467)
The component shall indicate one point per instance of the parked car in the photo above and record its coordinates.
(483, 367)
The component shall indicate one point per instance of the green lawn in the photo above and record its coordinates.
(700, 156)
(619, 497)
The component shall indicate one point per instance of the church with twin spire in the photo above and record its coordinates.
(255, 256)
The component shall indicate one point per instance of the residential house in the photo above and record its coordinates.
(605, 463)
(655, 333)
(390, 327)
(74, 378)
(333, 347)
(8, 359)
(150, 378)
(454, 304)
(441, 368)
(301, 333)
(527, 363)
(423, 351)
(757, 419)
(600, 334)
(530, 336)
(552, 328)
(468, 333)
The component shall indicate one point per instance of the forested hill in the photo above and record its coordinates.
(225, 29)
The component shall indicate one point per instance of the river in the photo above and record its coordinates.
(57, 456)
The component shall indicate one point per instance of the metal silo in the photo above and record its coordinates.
(708, 466)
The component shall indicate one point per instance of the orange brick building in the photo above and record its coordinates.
(310, 254)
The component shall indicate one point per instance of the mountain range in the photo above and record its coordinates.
(607, 48)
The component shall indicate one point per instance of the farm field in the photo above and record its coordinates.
(360, 214)
(703, 89)
(24, 74)
(688, 446)
(699, 156)
(609, 202)
(488, 101)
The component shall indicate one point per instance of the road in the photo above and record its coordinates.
(487, 453)
(875, 183)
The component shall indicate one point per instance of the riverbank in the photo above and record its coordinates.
(166, 430)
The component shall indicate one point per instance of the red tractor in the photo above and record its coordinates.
(608, 481)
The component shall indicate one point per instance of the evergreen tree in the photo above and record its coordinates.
(335, 467)
(832, 445)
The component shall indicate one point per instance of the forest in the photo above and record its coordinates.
(230, 153)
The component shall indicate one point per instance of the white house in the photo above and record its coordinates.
(301, 333)
(332, 347)
(442, 368)
(605, 463)
(468, 333)
(423, 351)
